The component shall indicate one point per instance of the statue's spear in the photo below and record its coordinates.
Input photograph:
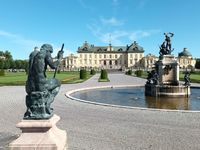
(60, 51)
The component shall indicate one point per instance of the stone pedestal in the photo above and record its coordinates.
(167, 90)
(168, 70)
(40, 135)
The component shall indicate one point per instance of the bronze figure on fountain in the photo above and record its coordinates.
(166, 47)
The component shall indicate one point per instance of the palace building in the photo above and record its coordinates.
(106, 57)
(148, 61)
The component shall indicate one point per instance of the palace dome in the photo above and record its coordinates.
(185, 52)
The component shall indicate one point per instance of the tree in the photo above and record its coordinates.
(12, 64)
(197, 65)
(18, 64)
(8, 55)
(1, 64)
(1, 53)
(6, 64)
(24, 64)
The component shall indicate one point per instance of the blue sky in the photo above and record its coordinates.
(25, 24)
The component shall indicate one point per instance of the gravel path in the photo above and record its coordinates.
(94, 127)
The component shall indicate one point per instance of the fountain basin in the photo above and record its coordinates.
(134, 97)
(167, 90)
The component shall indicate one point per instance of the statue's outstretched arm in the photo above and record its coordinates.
(50, 62)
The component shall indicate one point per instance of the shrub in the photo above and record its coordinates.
(2, 72)
(104, 74)
(138, 73)
(129, 72)
(83, 74)
(92, 72)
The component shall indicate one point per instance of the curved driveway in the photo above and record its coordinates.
(94, 127)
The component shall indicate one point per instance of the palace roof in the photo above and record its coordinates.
(185, 53)
(88, 48)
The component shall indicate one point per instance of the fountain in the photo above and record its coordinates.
(164, 80)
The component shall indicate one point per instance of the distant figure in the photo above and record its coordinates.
(41, 91)
(187, 78)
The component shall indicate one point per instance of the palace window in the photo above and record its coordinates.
(104, 56)
(115, 55)
(110, 62)
(104, 62)
(115, 62)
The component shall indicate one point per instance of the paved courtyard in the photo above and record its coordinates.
(94, 127)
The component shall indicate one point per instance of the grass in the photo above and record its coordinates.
(13, 78)
(19, 78)
(194, 77)
(104, 80)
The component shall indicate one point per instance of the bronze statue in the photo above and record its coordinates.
(187, 78)
(168, 40)
(166, 47)
(152, 77)
(40, 90)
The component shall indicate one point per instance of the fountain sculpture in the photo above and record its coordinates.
(164, 79)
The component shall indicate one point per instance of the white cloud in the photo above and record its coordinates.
(111, 21)
(113, 37)
(118, 36)
(20, 40)
(135, 35)
(7, 34)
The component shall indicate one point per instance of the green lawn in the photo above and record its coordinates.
(194, 77)
(20, 78)
(104, 80)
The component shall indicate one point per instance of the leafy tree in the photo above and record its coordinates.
(1, 64)
(197, 65)
(6, 64)
(18, 64)
(1, 53)
(12, 64)
(8, 55)
(24, 64)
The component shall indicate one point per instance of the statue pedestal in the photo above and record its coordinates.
(168, 70)
(40, 135)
